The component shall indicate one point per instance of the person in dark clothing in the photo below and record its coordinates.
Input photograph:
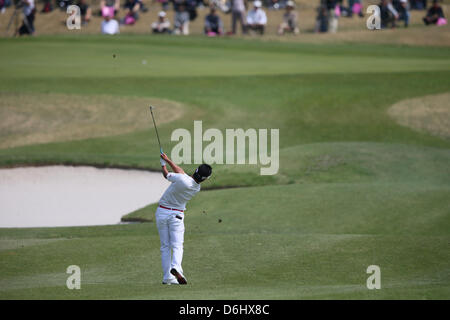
(330, 4)
(388, 14)
(402, 8)
(418, 4)
(85, 11)
(188, 5)
(434, 14)
(29, 11)
(213, 23)
(132, 8)
(322, 19)
(48, 7)
(191, 7)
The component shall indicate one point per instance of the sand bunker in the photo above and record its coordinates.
(74, 196)
(40, 118)
(427, 114)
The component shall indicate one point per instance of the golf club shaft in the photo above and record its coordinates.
(156, 129)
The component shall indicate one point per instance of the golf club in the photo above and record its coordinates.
(156, 129)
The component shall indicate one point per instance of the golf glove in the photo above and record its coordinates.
(163, 163)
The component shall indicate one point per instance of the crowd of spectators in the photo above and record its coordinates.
(435, 15)
(249, 15)
(392, 12)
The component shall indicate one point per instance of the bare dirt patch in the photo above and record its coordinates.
(427, 114)
(34, 118)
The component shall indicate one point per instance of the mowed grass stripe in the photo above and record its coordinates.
(115, 59)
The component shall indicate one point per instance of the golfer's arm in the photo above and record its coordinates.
(165, 172)
(174, 167)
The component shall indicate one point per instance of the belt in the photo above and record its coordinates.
(170, 208)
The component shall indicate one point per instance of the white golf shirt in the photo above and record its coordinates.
(182, 189)
(257, 17)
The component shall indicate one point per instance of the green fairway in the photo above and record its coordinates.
(354, 188)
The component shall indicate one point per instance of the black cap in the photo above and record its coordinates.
(203, 172)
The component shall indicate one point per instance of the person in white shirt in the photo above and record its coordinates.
(162, 25)
(170, 216)
(256, 18)
(290, 20)
(110, 26)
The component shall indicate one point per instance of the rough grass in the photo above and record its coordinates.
(36, 118)
(429, 114)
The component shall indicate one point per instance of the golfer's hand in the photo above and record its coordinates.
(164, 157)
(163, 163)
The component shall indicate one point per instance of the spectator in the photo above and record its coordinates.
(85, 11)
(28, 17)
(290, 20)
(109, 25)
(131, 11)
(222, 5)
(3, 5)
(334, 12)
(238, 13)
(213, 23)
(418, 4)
(162, 25)
(181, 22)
(109, 7)
(191, 8)
(388, 14)
(48, 7)
(256, 18)
(435, 15)
(354, 7)
(164, 4)
(322, 19)
(402, 8)
(274, 5)
(63, 4)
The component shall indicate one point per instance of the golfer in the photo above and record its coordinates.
(170, 216)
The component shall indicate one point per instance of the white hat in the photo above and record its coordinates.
(257, 4)
(162, 14)
(290, 4)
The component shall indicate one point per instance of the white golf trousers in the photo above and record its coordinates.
(171, 234)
